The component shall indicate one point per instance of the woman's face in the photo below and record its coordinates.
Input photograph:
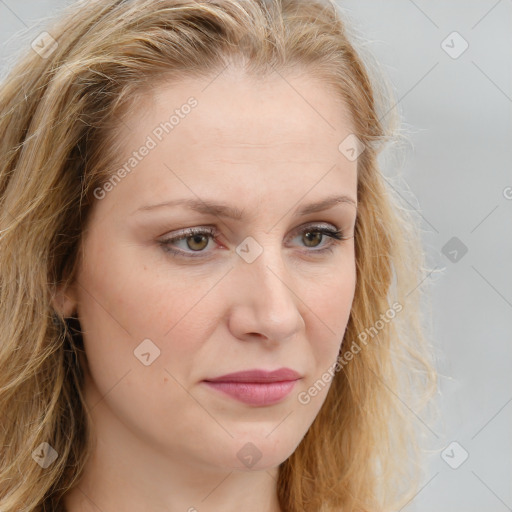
(259, 288)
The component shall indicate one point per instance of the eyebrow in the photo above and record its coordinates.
(209, 207)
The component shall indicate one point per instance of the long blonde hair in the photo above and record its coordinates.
(58, 109)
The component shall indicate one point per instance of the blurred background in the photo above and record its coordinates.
(450, 65)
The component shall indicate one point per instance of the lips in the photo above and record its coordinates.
(256, 387)
(258, 376)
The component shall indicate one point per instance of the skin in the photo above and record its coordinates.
(165, 440)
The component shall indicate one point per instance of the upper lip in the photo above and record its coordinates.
(280, 375)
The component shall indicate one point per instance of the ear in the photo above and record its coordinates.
(65, 301)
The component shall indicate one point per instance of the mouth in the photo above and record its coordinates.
(256, 387)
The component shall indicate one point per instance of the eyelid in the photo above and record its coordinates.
(329, 230)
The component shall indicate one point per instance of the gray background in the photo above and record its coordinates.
(456, 113)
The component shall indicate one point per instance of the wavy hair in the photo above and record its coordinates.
(58, 109)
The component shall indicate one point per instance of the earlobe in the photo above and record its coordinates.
(64, 301)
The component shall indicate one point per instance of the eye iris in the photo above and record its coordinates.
(312, 236)
(197, 239)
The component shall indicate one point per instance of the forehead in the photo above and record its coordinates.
(234, 108)
(278, 132)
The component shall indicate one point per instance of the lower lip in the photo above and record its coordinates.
(252, 393)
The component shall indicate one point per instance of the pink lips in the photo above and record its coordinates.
(256, 387)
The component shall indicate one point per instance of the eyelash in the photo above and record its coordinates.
(335, 235)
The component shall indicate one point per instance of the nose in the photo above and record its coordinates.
(264, 302)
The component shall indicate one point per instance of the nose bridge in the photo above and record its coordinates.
(267, 292)
(271, 273)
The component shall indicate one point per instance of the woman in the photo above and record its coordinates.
(209, 295)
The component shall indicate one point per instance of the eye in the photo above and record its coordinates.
(195, 240)
(312, 236)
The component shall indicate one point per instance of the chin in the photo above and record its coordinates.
(261, 452)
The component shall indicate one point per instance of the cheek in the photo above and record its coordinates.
(330, 292)
(330, 304)
(126, 305)
(177, 313)
(148, 294)
(329, 301)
